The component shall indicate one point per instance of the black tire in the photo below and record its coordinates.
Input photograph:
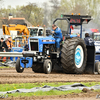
(97, 67)
(37, 67)
(19, 69)
(70, 47)
(53, 63)
(47, 66)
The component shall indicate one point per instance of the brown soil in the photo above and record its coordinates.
(81, 96)
(28, 76)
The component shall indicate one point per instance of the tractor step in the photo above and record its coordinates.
(55, 53)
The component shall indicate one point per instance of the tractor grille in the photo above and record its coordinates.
(34, 44)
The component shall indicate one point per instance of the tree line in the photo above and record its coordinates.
(45, 14)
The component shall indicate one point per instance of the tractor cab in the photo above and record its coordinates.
(74, 21)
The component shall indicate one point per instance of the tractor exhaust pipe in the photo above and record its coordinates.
(44, 31)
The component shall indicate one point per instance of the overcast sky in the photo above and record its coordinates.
(14, 3)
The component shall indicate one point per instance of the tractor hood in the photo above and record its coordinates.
(44, 40)
(36, 43)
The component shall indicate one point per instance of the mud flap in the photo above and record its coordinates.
(90, 66)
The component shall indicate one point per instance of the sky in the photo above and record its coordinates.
(14, 3)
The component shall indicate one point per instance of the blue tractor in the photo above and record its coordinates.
(75, 56)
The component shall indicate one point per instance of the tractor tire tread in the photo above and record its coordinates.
(67, 55)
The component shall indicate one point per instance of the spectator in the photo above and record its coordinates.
(1, 47)
(5, 45)
(6, 48)
(9, 44)
(88, 40)
(26, 47)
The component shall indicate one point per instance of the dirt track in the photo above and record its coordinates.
(81, 96)
(28, 76)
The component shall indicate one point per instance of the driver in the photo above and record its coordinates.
(57, 35)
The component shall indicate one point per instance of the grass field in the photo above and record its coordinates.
(8, 87)
(41, 93)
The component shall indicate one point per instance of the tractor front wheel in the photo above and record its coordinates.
(47, 66)
(19, 69)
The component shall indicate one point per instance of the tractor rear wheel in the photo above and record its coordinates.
(97, 67)
(47, 66)
(74, 56)
(19, 69)
(37, 67)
